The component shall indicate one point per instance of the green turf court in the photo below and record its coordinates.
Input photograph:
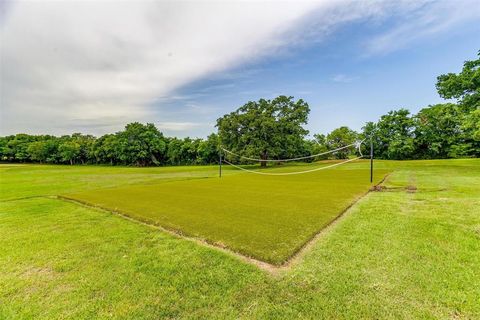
(265, 217)
(396, 254)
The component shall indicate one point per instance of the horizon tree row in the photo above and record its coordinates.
(138, 145)
(274, 129)
(436, 132)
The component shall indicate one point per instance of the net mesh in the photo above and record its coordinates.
(356, 144)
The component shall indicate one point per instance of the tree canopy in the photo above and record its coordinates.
(141, 144)
(341, 137)
(267, 129)
(464, 86)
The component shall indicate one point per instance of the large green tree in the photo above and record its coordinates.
(69, 151)
(341, 137)
(17, 147)
(208, 150)
(464, 86)
(393, 135)
(106, 149)
(86, 143)
(44, 150)
(318, 145)
(266, 129)
(439, 134)
(471, 125)
(141, 144)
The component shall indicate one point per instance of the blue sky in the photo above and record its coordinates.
(343, 84)
(351, 61)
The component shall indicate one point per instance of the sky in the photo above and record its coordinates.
(94, 66)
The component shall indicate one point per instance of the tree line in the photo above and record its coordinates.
(138, 144)
(273, 129)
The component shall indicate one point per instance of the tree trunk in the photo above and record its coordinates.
(264, 156)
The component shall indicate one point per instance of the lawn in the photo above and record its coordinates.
(400, 253)
(265, 217)
(23, 181)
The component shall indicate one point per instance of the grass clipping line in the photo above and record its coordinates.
(270, 268)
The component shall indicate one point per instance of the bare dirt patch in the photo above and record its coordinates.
(411, 189)
(38, 272)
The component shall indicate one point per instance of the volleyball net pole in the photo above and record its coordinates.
(371, 159)
(220, 164)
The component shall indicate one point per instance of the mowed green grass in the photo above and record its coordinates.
(265, 217)
(394, 255)
(23, 181)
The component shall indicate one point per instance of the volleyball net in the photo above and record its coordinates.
(357, 146)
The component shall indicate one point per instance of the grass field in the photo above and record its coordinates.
(396, 254)
(265, 217)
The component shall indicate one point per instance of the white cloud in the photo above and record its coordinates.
(342, 78)
(422, 20)
(68, 61)
(178, 126)
(95, 65)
